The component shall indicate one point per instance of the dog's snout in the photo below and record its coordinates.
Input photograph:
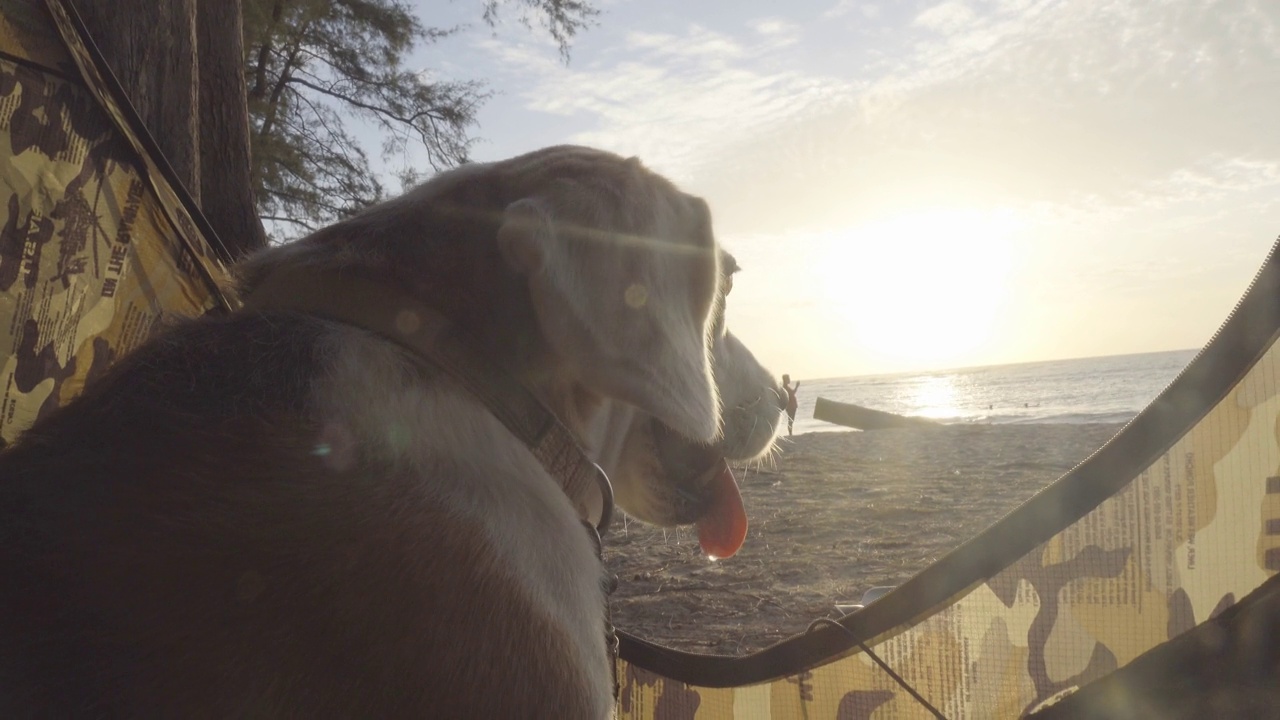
(780, 396)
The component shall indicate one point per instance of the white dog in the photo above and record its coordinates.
(363, 495)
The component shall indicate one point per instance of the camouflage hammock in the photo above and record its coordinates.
(1170, 523)
(97, 245)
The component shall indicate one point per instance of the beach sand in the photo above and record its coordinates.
(833, 515)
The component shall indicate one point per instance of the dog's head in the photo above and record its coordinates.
(666, 478)
(623, 275)
(629, 287)
(600, 285)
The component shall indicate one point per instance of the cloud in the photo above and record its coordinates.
(671, 98)
(1027, 102)
(992, 101)
(1213, 178)
(698, 45)
(948, 17)
(868, 10)
(781, 31)
(1021, 103)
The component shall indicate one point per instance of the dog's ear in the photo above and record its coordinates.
(523, 237)
(628, 314)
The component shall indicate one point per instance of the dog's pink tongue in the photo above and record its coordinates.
(724, 527)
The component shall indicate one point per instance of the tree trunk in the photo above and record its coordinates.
(151, 47)
(226, 186)
(193, 106)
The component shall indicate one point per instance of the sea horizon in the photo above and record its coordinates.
(1097, 389)
(964, 368)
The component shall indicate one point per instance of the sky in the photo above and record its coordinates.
(923, 185)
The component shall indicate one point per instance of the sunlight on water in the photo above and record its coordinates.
(934, 397)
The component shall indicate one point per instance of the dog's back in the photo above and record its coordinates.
(188, 539)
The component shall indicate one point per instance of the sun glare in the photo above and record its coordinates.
(924, 288)
(934, 397)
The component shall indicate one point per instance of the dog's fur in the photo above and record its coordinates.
(274, 515)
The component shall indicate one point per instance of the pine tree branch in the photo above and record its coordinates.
(284, 218)
(410, 120)
(312, 64)
(264, 53)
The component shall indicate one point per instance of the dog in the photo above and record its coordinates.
(326, 504)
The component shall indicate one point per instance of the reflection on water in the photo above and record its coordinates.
(933, 397)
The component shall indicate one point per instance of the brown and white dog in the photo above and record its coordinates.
(275, 514)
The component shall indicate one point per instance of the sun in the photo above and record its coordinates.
(923, 288)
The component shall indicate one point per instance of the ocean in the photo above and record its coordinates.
(1088, 390)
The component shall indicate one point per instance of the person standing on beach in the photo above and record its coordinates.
(791, 401)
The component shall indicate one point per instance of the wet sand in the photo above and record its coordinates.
(833, 515)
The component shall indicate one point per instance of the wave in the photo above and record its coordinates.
(1078, 418)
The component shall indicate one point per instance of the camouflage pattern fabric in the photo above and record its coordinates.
(1196, 530)
(95, 246)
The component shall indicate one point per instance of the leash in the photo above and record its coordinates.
(399, 317)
